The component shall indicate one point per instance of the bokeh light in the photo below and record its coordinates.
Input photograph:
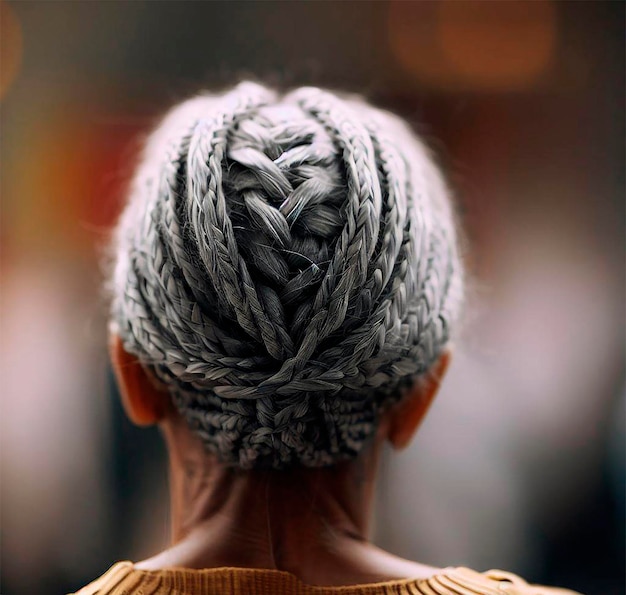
(10, 47)
(477, 46)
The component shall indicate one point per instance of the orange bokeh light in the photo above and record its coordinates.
(10, 47)
(479, 45)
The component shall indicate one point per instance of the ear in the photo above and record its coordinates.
(407, 415)
(144, 402)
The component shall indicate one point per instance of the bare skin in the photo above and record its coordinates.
(313, 523)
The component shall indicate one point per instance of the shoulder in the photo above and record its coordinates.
(114, 579)
(505, 582)
(124, 579)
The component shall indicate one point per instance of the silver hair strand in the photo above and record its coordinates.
(287, 266)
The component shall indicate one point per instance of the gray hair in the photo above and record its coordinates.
(287, 266)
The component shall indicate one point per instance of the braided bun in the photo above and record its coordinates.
(286, 265)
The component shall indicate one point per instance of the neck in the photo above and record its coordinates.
(310, 522)
(266, 519)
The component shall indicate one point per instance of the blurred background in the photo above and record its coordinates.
(520, 464)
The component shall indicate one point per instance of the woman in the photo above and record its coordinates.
(286, 281)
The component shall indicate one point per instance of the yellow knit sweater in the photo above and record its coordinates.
(124, 579)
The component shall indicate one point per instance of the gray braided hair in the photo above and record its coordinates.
(287, 265)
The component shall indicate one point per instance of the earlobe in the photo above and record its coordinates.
(143, 402)
(409, 413)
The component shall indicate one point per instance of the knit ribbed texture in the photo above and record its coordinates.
(123, 579)
(287, 265)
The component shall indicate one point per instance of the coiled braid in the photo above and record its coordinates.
(287, 266)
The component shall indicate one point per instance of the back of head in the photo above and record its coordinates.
(287, 266)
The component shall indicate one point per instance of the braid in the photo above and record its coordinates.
(287, 266)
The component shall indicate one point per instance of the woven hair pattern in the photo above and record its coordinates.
(286, 265)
